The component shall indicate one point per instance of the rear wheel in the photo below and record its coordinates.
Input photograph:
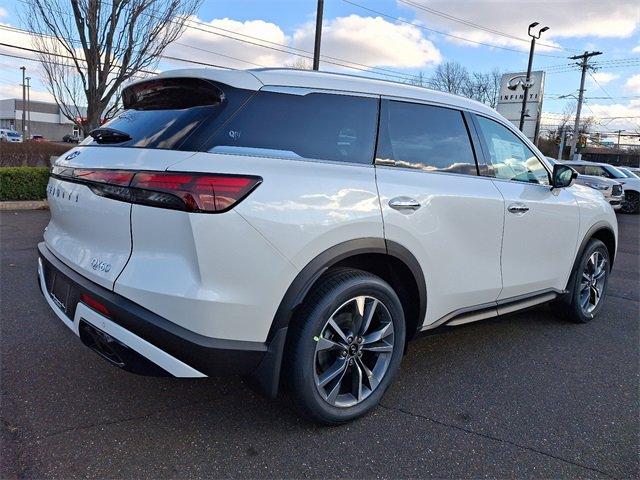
(345, 347)
(590, 282)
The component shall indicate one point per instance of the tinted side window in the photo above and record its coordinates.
(315, 126)
(510, 158)
(432, 139)
(595, 170)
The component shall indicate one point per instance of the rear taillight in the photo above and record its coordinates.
(191, 192)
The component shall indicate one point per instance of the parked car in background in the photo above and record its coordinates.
(278, 222)
(628, 172)
(9, 135)
(610, 189)
(631, 186)
(71, 138)
(38, 138)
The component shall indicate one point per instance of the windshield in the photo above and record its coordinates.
(13, 134)
(628, 173)
(615, 173)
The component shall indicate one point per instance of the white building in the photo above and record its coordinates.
(46, 118)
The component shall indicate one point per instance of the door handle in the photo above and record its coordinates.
(518, 208)
(404, 203)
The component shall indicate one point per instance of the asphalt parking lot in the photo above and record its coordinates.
(528, 395)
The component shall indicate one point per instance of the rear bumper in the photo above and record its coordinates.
(143, 341)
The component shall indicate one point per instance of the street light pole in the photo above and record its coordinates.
(619, 132)
(24, 101)
(528, 79)
(29, 105)
(562, 135)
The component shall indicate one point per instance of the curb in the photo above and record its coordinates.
(25, 205)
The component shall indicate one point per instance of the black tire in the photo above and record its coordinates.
(631, 202)
(573, 307)
(333, 292)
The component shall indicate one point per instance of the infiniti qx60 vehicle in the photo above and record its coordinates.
(301, 227)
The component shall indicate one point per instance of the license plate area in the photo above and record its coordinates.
(59, 291)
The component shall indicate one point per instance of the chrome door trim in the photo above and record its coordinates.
(494, 309)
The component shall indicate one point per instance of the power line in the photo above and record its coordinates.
(457, 37)
(601, 87)
(475, 25)
(305, 53)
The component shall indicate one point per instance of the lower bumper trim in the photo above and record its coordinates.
(173, 348)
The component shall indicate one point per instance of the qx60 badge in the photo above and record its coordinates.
(100, 265)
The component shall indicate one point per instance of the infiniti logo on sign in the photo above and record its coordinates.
(519, 80)
(99, 265)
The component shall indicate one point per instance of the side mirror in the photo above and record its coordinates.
(563, 176)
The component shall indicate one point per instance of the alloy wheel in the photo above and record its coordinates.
(353, 351)
(593, 282)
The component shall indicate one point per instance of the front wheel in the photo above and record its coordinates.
(590, 282)
(631, 202)
(345, 347)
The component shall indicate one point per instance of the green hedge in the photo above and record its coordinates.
(23, 183)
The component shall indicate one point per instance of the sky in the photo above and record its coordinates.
(398, 39)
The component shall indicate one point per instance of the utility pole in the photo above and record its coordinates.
(528, 79)
(24, 101)
(316, 49)
(29, 105)
(584, 64)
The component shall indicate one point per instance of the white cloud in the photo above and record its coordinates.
(206, 43)
(3, 12)
(604, 77)
(566, 19)
(607, 117)
(15, 91)
(636, 49)
(372, 41)
(365, 40)
(633, 84)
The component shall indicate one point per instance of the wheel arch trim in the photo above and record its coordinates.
(307, 277)
(596, 227)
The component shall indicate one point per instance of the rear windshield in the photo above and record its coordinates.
(168, 113)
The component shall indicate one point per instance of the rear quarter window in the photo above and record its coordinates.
(318, 126)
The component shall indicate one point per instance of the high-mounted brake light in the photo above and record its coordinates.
(191, 192)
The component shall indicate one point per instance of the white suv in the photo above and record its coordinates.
(300, 227)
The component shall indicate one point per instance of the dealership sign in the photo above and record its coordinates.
(512, 87)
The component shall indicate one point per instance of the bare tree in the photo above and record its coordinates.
(451, 77)
(485, 87)
(90, 50)
(300, 64)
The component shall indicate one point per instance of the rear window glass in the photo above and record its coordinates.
(169, 113)
(314, 126)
